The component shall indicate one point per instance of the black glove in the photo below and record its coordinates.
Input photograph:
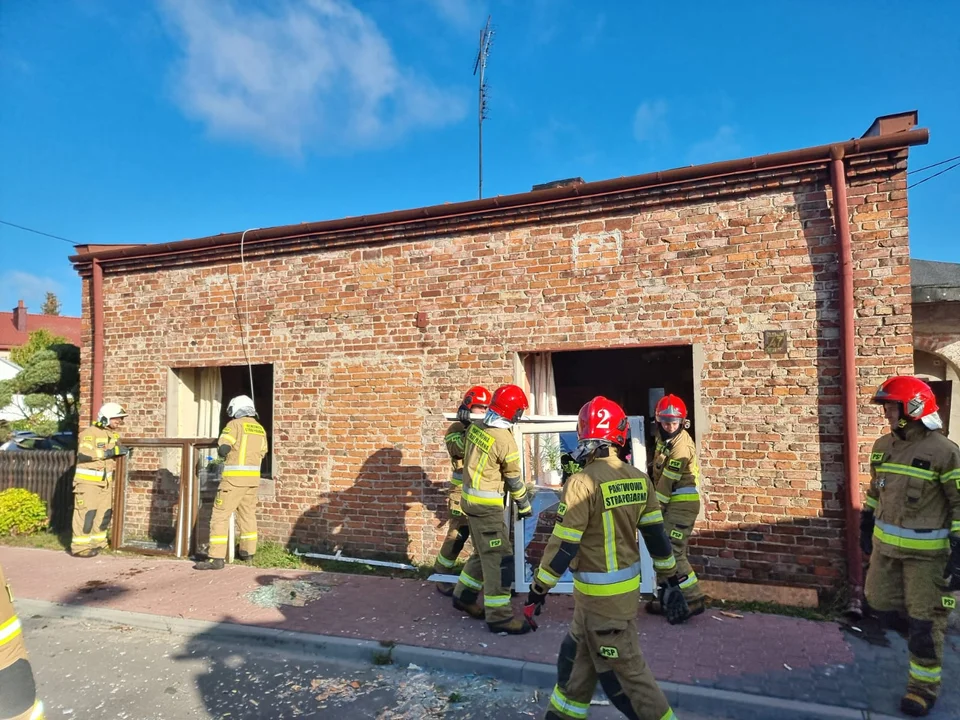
(673, 602)
(463, 415)
(525, 511)
(119, 449)
(536, 599)
(866, 532)
(952, 571)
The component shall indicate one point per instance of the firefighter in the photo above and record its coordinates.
(910, 529)
(676, 477)
(595, 535)
(243, 445)
(476, 400)
(18, 689)
(97, 450)
(491, 463)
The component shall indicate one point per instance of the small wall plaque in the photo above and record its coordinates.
(774, 341)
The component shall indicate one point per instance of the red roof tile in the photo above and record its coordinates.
(10, 337)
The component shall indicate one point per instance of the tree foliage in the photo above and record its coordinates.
(51, 306)
(49, 383)
(37, 340)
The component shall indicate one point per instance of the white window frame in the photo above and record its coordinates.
(536, 424)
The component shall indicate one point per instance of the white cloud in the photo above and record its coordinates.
(313, 75)
(650, 123)
(32, 289)
(722, 145)
(463, 14)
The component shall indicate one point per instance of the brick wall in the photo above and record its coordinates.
(936, 328)
(150, 499)
(360, 388)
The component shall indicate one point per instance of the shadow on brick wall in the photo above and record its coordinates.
(379, 516)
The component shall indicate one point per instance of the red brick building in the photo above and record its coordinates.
(936, 335)
(723, 283)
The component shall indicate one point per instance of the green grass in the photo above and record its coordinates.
(455, 697)
(45, 540)
(277, 555)
(821, 613)
(383, 658)
(274, 555)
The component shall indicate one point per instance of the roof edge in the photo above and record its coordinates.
(791, 158)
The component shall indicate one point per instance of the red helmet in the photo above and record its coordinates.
(670, 407)
(602, 419)
(477, 395)
(509, 402)
(914, 395)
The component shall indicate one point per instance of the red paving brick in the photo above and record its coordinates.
(409, 612)
(763, 654)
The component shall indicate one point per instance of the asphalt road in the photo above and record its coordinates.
(101, 671)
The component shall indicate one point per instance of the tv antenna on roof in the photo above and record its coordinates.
(479, 68)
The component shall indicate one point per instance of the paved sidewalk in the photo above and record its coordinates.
(766, 655)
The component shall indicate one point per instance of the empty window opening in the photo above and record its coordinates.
(634, 378)
(197, 400)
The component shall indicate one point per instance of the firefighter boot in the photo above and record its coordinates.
(513, 626)
(654, 607)
(917, 703)
(467, 603)
(245, 556)
(445, 588)
(210, 564)
(696, 607)
(87, 553)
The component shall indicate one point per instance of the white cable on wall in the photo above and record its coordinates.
(245, 312)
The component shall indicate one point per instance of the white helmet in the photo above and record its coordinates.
(241, 406)
(109, 411)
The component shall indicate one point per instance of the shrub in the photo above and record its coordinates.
(21, 512)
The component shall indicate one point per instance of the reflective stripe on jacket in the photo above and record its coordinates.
(914, 492)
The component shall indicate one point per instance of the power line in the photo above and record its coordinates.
(942, 162)
(21, 227)
(920, 182)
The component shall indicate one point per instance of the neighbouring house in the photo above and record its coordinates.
(16, 326)
(936, 335)
(14, 411)
(724, 283)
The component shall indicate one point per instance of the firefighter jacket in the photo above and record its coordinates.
(676, 476)
(96, 443)
(455, 439)
(596, 537)
(17, 685)
(491, 463)
(248, 446)
(914, 493)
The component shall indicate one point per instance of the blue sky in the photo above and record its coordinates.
(160, 120)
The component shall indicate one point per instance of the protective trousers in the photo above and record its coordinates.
(92, 510)
(18, 689)
(489, 568)
(917, 586)
(457, 533)
(598, 648)
(678, 527)
(241, 500)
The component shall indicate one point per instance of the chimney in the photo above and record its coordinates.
(20, 317)
(890, 124)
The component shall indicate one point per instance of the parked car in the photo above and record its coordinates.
(27, 440)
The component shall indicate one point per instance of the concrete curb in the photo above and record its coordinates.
(695, 698)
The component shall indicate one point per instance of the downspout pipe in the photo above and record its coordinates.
(96, 313)
(851, 439)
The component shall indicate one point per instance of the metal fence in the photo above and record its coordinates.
(48, 473)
